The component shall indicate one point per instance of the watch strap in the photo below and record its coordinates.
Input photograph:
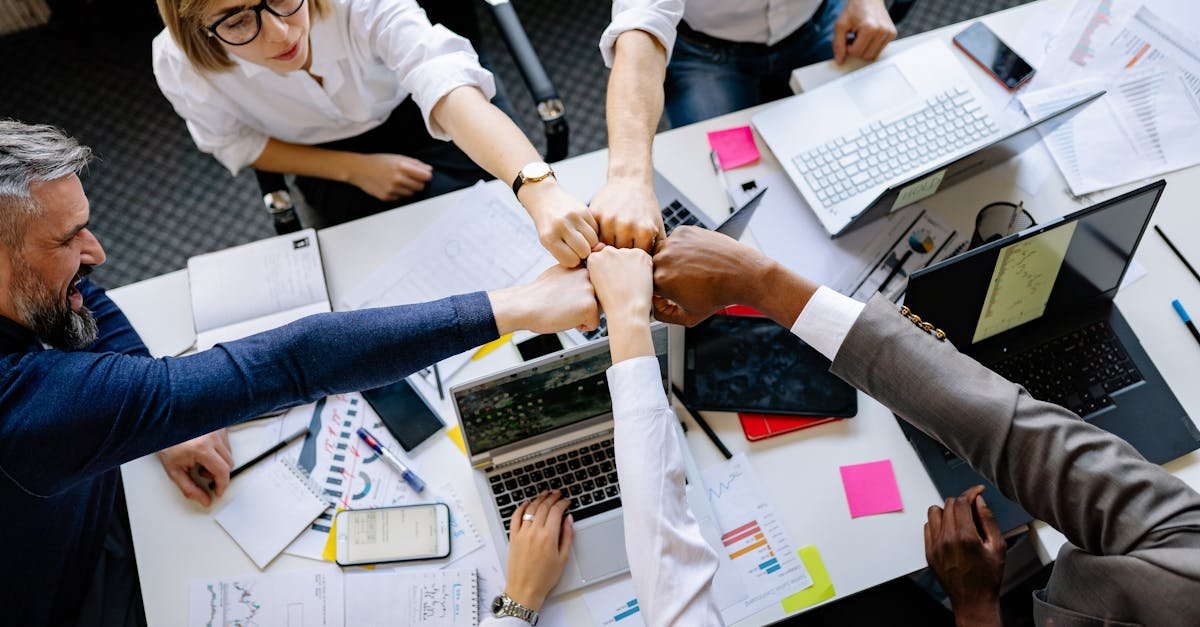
(521, 178)
(509, 607)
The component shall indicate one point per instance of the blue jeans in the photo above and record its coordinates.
(708, 77)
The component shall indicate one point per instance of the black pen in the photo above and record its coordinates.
(1176, 251)
(271, 451)
(703, 425)
(437, 376)
(896, 270)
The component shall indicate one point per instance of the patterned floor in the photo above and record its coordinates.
(156, 200)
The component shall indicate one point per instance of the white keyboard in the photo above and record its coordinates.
(885, 150)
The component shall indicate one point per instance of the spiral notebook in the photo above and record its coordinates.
(416, 598)
(275, 502)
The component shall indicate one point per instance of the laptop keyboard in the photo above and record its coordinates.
(674, 215)
(882, 151)
(588, 475)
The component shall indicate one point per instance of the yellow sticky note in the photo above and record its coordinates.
(329, 553)
(491, 346)
(822, 587)
(455, 434)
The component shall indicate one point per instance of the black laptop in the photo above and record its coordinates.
(1037, 307)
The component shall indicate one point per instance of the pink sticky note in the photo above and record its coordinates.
(734, 147)
(871, 488)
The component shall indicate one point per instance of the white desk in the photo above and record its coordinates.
(177, 541)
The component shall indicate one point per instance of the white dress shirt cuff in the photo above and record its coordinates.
(433, 79)
(636, 387)
(660, 26)
(826, 320)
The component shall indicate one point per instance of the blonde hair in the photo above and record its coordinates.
(184, 19)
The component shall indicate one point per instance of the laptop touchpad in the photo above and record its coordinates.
(879, 90)
(600, 549)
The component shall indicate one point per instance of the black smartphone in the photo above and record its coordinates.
(994, 56)
(404, 412)
(539, 346)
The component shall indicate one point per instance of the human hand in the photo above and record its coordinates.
(209, 457)
(697, 271)
(624, 282)
(628, 215)
(389, 177)
(557, 300)
(871, 25)
(565, 226)
(965, 549)
(538, 549)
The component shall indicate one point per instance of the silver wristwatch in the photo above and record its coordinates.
(504, 606)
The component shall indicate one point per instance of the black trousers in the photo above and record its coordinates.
(114, 598)
(403, 133)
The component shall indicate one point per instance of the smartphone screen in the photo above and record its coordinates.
(391, 534)
(993, 55)
(404, 413)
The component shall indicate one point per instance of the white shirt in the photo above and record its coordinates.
(750, 21)
(371, 55)
(671, 564)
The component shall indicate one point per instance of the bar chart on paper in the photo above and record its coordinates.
(614, 604)
(753, 538)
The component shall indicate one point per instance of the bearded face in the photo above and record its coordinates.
(47, 313)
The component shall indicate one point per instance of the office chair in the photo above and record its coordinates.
(458, 16)
(899, 9)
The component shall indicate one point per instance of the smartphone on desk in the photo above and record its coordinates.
(392, 534)
(994, 56)
(405, 413)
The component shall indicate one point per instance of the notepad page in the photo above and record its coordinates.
(413, 597)
(273, 505)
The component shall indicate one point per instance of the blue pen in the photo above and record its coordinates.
(406, 473)
(1183, 314)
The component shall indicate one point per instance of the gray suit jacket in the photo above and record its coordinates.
(1133, 529)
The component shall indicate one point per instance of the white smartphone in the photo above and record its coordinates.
(393, 534)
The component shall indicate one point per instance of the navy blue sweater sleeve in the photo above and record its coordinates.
(67, 416)
(116, 334)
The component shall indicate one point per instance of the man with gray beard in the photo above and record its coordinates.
(80, 394)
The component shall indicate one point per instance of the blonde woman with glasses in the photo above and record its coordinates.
(357, 99)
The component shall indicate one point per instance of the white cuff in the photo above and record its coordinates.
(636, 387)
(826, 320)
(659, 26)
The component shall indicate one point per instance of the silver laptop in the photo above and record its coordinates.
(547, 424)
(844, 143)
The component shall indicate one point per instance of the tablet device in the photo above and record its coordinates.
(751, 364)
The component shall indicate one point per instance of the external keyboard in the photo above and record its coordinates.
(588, 475)
(884, 150)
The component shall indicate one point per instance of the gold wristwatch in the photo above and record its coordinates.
(532, 173)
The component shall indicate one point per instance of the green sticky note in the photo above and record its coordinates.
(822, 588)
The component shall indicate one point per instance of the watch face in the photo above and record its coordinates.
(536, 170)
(497, 604)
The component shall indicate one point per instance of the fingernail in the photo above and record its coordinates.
(981, 501)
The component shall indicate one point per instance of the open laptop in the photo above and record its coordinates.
(891, 134)
(547, 424)
(1037, 307)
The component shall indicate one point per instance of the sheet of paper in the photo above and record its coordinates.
(871, 488)
(926, 241)
(414, 597)
(734, 147)
(788, 231)
(296, 598)
(753, 538)
(614, 603)
(1022, 281)
(274, 503)
(822, 588)
(256, 279)
(464, 536)
(238, 330)
(490, 575)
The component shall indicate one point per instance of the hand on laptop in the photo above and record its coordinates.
(564, 225)
(697, 272)
(965, 549)
(629, 215)
(872, 27)
(557, 300)
(623, 278)
(538, 549)
(207, 459)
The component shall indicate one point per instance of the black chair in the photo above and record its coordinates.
(899, 9)
(458, 16)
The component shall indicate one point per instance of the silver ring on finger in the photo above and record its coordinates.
(526, 517)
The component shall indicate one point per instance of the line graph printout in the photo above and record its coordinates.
(295, 598)
(1022, 280)
(753, 539)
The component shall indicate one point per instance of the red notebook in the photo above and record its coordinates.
(762, 426)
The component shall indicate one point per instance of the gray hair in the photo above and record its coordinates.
(31, 153)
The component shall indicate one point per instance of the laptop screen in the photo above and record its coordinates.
(551, 393)
(1041, 271)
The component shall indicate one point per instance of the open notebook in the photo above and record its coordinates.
(255, 287)
(273, 505)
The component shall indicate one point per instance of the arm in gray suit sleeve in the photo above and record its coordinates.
(1089, 484)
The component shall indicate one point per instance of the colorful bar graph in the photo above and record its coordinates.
(633, 608)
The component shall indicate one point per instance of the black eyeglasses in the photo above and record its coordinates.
(241, 27)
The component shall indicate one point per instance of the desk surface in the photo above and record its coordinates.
(177, 541)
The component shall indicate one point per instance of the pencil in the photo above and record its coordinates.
(1176, 251)
(703, 424)
(271, 451)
